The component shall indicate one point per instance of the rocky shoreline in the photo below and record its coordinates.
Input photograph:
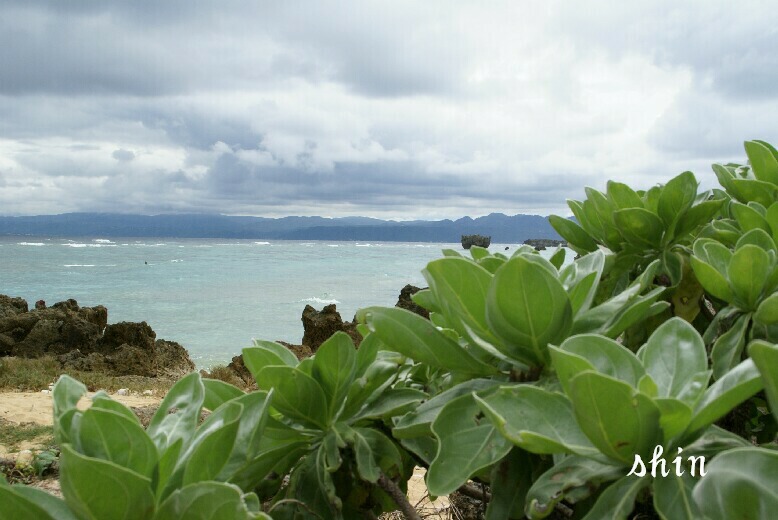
(81, 339)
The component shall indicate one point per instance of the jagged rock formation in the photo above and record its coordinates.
(318, 326)
(540, 244)
(81, 339)
(469, 241)
(405, 301)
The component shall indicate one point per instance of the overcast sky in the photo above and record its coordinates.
(391, 109)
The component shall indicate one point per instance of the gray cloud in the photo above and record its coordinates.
(401, 109)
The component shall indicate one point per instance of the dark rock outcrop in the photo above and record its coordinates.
(81, 339)
(318, 326)
(469, 241)
(405, 301)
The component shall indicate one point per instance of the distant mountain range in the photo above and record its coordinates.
(502, 228)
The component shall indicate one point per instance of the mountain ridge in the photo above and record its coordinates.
(501, 227)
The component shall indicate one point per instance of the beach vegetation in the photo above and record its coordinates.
(544, 379)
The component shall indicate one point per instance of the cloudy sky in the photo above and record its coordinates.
(395, 109)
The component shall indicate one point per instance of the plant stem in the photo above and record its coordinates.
(399, 497)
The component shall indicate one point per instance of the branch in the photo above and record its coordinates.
(399, 497)
(471, 491)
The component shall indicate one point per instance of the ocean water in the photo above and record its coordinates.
(214, 295)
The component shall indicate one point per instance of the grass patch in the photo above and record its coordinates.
(12, 435)
(34, 375)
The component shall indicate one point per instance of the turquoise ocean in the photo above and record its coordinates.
(214, 295)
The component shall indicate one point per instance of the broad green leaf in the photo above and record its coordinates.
(765, 357)
(739, 483)
(46, 504)
(205, 501)
(674, 416)
(733, 388)
(746, 190)
(460, 287)
(536, 420)
(296, 395)
(673, 354)
(375, 453)
(391, 403)
(411, 335)
(767, 312)
(618, 499)
(279, 459)
(763, 162)
(527, 308)
(286, 355)
(510, 481)
(672, 265)
(218, 392)
(426, 299)
(211, 446)
(728, 348)
(748, 218)
(478, 252)
(376, 378)
(697, 216)
(712, 280)
(573, 233)
(97, 489)
(248, 439)
(715, 440)
(419, 421)
(619, 421)
(334, 367)
(468, 443)
(102, 401)
(635, 311)
(758, 238)
(673, 497)
(107, 435)
(580, 279)
(748, 271)
(575, 477)
(676, 198)
(622, 196)
(67, 392)
(178, 414)
(567, 365)
(606, 356)
(257, 358)
(18, 507)
(639, 226)
(558, 257)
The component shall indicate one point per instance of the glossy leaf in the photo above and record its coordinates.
(67, 392)
(94, 488)
(218, 392)
(728, 348)
(411, 335)
(113, 437)
(711, 279)
(619, 421)
(510, 482)
(739, 483)
(536, 420)
(178, 414)
(334, 368)
(733, 388)
(574, 477)
(618, 499)
(673, 497)
(528, 308)
(639, 226)
(606, 356)
(747, 272)
(296, 395)
(573, 233)
(763, 162)
(286, 355)
(673, 354)
(765, 357)
(467, 444)
(767, 312)
(676, 198)
(205, 501)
